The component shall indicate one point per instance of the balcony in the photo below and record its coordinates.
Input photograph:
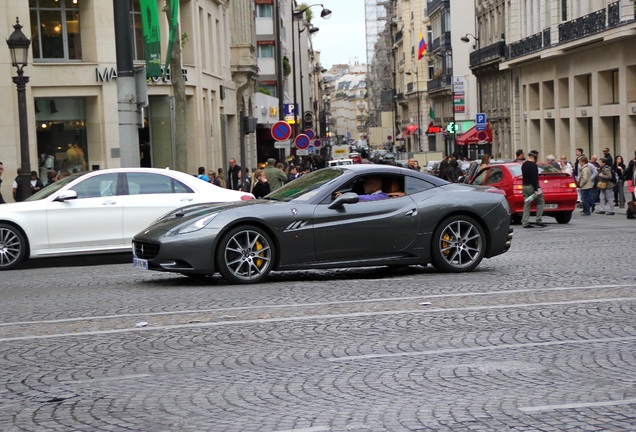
(491, 53)
(584, 26)
(433, 5)
(438, 84)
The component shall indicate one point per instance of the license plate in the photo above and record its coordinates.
(140, 263)
(551, 206)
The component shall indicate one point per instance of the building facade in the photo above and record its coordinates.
(573, 75)
(72, 95)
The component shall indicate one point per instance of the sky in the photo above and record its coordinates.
(341, 37)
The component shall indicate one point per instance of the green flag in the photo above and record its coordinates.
(431, 113)
(152, 36)
(172, 25)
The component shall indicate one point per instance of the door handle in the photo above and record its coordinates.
(412, 212)
(186, 199)
(109, 202)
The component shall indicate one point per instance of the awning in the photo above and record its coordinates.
(410, 130)
(474, 136)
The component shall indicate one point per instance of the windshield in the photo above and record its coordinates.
(305, 187)
(53, 188)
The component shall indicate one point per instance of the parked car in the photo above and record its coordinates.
(432, 167)
(98, 211)
(317, 221)
(559, 189)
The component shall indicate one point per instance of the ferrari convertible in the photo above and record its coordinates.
(320, 221)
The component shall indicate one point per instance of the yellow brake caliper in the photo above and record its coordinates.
(259, 246)
(445, 239)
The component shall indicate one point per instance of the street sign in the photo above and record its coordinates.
(302, 142)
(282, 144)
(291, 111)
(480, 122)
(281, 131)
(317, 143)
(310, 133)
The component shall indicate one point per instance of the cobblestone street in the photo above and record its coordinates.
(542, 338)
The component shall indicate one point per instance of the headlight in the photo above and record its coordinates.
(197, 225)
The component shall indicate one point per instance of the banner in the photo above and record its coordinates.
(172, 25)
(152, 37)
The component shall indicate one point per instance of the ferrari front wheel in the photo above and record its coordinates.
(458, 244)
(245, 255)
(12, 247)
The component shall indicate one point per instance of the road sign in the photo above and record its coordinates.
(281, 144)
(302, 142)
(310, 133)
(281, 131)
(317, 143)
(480, 122)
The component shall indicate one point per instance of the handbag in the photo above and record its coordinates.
(601, 184)
(630, 186)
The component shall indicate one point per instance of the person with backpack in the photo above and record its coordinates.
(605, 185)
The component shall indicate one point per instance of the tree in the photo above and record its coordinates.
(178, 90)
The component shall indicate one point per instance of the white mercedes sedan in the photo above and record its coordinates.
(98, 212)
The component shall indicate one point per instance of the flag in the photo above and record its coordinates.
(422, 48)
(151, 36)
(431, 113)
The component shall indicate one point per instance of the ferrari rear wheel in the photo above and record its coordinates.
(563, 217)
(245, 255)
(458, 244)
(12, 247)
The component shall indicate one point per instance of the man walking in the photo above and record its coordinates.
(275, 177)
(531, 190)
(232, 175)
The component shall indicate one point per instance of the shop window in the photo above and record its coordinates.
(55, 29)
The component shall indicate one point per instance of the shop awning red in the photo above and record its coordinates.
(473, 136)
(410, 129)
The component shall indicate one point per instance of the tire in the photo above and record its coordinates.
(563, 217)
(245, 255)
(12, 247)
(516, 218)
(458, 244)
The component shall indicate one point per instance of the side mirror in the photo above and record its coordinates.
(66, 195)
(345, 198)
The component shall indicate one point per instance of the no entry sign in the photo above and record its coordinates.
(281, 131)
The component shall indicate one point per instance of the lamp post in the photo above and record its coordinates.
(297, 14)
(19, 47)
(466, 40)
(417, 92)
(311, 30)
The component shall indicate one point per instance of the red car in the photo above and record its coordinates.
(559, 189)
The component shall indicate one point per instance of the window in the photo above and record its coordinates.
(98, 186)
(479, 180)
(263, 11)
(266, 51)
(137, 33)
(55, 29)
(146, 184)
(496, 176)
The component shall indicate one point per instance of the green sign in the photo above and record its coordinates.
(151, 36)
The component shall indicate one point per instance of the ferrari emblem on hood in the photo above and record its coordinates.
(294, 211)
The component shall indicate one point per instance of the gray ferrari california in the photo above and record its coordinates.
(332, 218)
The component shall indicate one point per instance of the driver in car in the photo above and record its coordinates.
(372, 190)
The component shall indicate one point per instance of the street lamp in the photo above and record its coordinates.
(466, 40)
(19, 47)
(311, 30)
(297, 14)
(417, 91)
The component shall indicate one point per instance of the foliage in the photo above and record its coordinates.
(264, 91)
(286, 67)
(308, 13)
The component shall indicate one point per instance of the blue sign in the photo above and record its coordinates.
(289, 110)
(317, 143)
(481, 122)
(281, 131)
(302, 142)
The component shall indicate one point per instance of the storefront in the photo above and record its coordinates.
(475, 143)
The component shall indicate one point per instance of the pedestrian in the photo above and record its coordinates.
(552, 161)
(221, 177)
(485, 161)
(2, 201)
(607, 155)
(213, 178)
(566, 166)
(51, 176)
(619, 188)
(261, 185)
(521, 157)
(629, 174)
(585, 184)
(413, 164)
(443, 168)
(202, 175)
(293, 173)
(244, 185)
(605, 187)
(575, 165)
(452, 173)
(594, 167)
(232, 174)
(531, 191)
(275, 177)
